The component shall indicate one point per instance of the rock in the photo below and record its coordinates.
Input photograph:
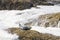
(32, 35)
(15, 4)
(47, 20)
(24, 27)
(21, 4)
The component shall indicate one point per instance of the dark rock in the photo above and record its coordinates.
(26, 28)
(20, 4)
(14, 5)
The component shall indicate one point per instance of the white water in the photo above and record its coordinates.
(7, 36)
(9, 19)
(50, 30)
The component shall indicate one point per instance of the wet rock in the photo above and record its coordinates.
(15, 4)
(32, 35)
(21, 4)
(47, 20)
(24, 27)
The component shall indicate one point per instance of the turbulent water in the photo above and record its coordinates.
(9, 19)
(6, 36)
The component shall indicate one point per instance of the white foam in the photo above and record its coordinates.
(49, 30)
(7, 36)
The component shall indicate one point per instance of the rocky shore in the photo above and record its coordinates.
(39, 32)
(47, 20)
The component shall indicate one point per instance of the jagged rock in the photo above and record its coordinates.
(32, 35)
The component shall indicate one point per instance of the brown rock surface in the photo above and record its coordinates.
(47, 20)
(32, 35)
